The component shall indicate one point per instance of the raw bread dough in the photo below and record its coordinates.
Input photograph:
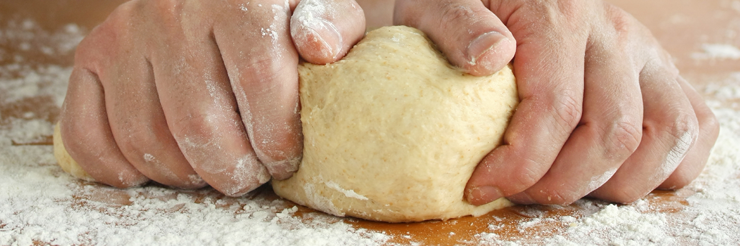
(393, 132)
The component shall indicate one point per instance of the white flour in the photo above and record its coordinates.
(717, 51)
(40, 203)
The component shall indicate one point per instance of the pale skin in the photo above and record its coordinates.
(190, 94)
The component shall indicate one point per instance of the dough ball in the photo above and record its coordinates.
(393, 132)
(65, 161)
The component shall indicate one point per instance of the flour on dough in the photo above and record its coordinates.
(393, 132)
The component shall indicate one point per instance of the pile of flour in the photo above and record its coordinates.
(40, 203)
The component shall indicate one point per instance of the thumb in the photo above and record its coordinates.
(324, 30)
(471, 36)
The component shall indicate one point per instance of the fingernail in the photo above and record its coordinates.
(483, 194)
(481, 45)
(284, 169)
(322, 47)
(319, 35)
(522, 198)
(331, 34)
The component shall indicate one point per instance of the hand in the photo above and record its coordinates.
(193, 92)
(603, 110)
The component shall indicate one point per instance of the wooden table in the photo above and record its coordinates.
(682, 26)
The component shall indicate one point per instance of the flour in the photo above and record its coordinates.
(717, 51)
(40, 203)
(348, 193)
(617, 225)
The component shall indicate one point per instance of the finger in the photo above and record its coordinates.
(608, 133)
(201, 112)
(140, 129)
(697, 156)
(670, 129)
(87, 135)
(264, 78)
(550, 85)
(471, 36)
(324, 30)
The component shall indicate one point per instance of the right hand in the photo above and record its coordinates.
(189, 93)
(603, 111)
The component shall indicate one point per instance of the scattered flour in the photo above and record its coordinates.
(41, 204)
(717, 51)
(348, 193)
(617, 226)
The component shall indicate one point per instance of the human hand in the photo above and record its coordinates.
(193, 92)
(603, 109)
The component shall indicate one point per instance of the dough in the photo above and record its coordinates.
(393, 132)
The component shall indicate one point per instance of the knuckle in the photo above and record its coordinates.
(267, 70)
(568, 111)
(162, 6)
(524, 180)
(526, 176)
(271, 152)
(275, 135)
(659, 59)
(623, 138)
(137, 139)
(454, 13)
(684, 128)
(560, 12)
(198, 124)
(277, 142)
(267, 13)
(120, 19)
(106, 41)
(568, 7)
(621, 21)
(147, 147)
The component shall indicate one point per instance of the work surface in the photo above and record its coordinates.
(39, 204)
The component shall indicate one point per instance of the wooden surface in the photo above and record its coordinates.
(682, 26)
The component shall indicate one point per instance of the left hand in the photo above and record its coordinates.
(189, 93)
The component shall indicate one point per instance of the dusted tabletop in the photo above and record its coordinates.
(39, 204)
